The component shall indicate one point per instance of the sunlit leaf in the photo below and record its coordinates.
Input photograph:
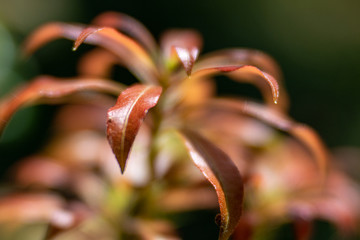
(128, 25)
(278, 120)
(125, 118)
(134, 57)
(222, 173)
(47, 89)
(244, 73)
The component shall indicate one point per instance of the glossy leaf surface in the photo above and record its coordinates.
(128, 25)
(244, 73)
(240, 56)
(125, 118)
(187, 57)
(130, 52)
(47, 89)
(222, 173)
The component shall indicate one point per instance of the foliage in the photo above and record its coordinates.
(154, 129)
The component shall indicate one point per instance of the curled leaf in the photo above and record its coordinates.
(278, 120)
(244, 73)
(46, 89)
(239, 56)
(243, 56)
(125, 118)
(134, 57)
(128, 25)
(222, 173)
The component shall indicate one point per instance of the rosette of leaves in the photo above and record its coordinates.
(174, 95)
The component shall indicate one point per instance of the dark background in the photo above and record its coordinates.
(316, 43)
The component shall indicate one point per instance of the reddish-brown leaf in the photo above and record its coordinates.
(131, 54)
(128, 25)
(187, 57)
(222, 173)
(183, 45)
(125, 118)
(244, 73)
(276, 119)
(46, 89)
(239, 56)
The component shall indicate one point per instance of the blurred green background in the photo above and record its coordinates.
(316, 43)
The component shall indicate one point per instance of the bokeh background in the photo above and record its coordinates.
(316, 43)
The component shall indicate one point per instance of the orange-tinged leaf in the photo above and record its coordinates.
(46, 89)
(222, 173)
(97, 63)
(130, 52)
(243, 56)
(125, 118)
(240, 56)
(128, 25)
(276, 119)
(244, 73)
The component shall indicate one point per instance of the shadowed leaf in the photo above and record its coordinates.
(128, 25)
(36, 207)
(46, 89)
(97, 63)
(125, 118)
(130, 52)
(244, 73)
(276, 119)
(222, 173)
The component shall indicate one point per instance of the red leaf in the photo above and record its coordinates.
(128, 25)
(244, 73)
(276, 119)
(222, 173)
(125, 118)
(49, 88)
(130, 52)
